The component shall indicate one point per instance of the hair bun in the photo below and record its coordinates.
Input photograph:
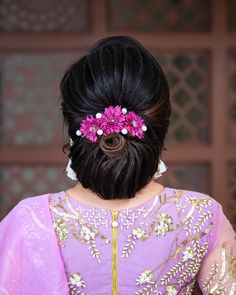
(113, 144)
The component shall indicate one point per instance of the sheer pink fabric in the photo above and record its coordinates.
(218, 270)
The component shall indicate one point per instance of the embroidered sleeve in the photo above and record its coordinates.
(218, 271)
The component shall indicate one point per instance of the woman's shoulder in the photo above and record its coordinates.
(34, 203)
(195, 208)
(34, 207)
(193, 197)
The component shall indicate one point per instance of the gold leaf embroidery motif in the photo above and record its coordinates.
(61, 231)
(188, 253)
(171, 290)
(85, 232)
(137, 233)
(212, 276)
(184, 271)
(215, 282)
(201, 220)
(76, 283)
(145, 277)
(163, 224)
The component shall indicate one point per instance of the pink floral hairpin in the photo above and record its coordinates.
(112, 120)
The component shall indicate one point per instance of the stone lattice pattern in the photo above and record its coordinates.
(31, 105)
(231, 13)
(187, 176)
(159, 15)
(30, 97)
(231, 210)
(188, 76)
(232, 96)
(21, 182)
(44, 16)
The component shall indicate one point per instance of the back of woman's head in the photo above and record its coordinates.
(117, 70)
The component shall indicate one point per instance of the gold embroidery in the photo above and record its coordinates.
(66, 216)
(61, 231)
(232, 289)
(193, 254)
(206, 202)
(171, 290)
(195, 205)
(188, 265)
(180, 209)
(179, 196)
(195, 262)
(227, 272)
(211, 276)
(145, 277)
(192, 268)
(157, 215)
(201, 220)
(74, 232)
(188, 253)
(191, 239)
(182, 275)
(75, 283)
(162, 201)
(137, 233)
(83, 222)
(129, 217)
(164, 222)
(86, 233)
(151, 208)
(163, 225)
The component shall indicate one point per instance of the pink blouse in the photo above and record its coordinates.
(55, 244)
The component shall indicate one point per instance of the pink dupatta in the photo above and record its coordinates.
(30, 259)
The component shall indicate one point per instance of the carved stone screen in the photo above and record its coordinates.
(194, 42)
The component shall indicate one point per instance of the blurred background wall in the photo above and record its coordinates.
(193, 40)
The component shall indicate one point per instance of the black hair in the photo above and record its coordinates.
(117, 70)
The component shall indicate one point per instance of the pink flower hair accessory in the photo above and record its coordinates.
(112, 120)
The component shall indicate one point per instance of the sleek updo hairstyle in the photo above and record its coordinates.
(118, 70)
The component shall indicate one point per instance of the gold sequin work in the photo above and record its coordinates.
(155, 248)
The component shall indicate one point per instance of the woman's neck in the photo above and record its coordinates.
(87, 196)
